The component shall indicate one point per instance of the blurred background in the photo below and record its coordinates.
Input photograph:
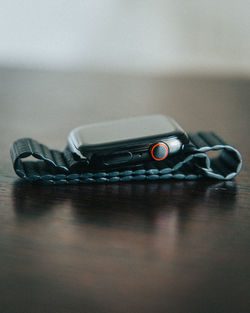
(159, 36)
(69, 63)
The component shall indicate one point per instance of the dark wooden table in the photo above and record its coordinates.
(151, 247)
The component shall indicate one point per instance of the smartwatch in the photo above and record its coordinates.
(126, 142)
(140, 148)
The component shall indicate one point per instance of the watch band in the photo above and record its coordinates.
(55, 167)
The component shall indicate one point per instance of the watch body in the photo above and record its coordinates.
(127, 141)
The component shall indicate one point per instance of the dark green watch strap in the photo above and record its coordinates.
(55, 167)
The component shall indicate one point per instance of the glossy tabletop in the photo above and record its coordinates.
(149, 247)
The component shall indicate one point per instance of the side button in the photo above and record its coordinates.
(117, 158)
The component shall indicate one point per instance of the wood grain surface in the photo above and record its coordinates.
(157, 247)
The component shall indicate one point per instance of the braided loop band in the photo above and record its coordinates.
(54, 167)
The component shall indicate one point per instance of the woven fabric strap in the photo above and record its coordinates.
(55, 167)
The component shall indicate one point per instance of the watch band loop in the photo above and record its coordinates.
(55, 167)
